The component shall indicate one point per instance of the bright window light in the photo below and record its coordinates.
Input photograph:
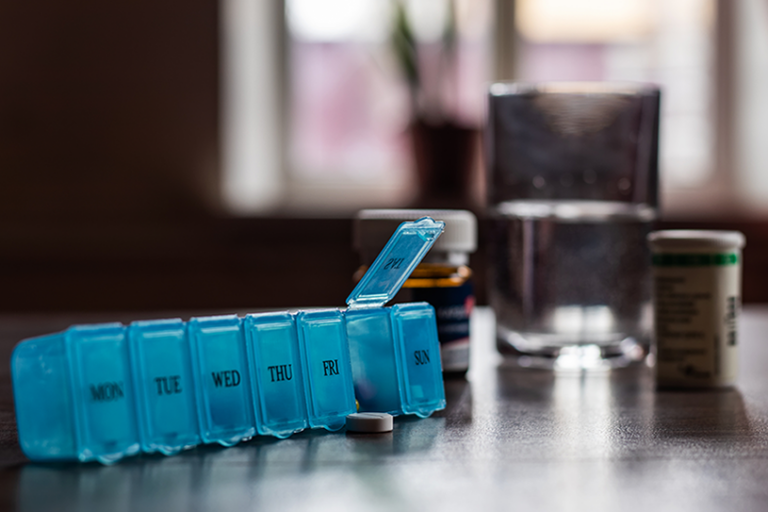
(337, 20)
(585, 21)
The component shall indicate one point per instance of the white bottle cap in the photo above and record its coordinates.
(684, 239)
(369, 422)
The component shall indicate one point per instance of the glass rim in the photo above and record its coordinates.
(508, 88)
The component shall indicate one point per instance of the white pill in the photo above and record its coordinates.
(369, 422)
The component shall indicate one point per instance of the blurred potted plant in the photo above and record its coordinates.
(443, 147)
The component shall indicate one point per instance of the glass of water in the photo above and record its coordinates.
(572, 194)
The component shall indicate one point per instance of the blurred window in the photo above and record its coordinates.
(349, 102)
(668, 42)
(345, 99)
(317, 108)
(750, 103)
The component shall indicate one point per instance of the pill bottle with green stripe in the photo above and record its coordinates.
(697, 297)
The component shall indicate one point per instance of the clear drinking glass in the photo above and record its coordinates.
(572, 194)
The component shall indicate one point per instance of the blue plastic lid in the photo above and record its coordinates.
(407, 247)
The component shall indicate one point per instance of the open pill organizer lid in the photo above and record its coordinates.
(404, 251)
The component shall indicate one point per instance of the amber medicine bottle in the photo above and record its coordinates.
(443, 278)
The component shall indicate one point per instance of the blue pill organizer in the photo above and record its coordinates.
(395, 352)
(106, 391)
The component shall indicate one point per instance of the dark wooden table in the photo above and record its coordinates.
(509, 439)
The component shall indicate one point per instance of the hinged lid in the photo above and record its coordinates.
(395, 263)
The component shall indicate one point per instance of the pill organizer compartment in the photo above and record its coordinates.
(165, 388)
(224, 403)
(395, 351)
(278, 381)
(373, 360)
(330, 394)
(100, 378)
(42, 397)
(418, 353)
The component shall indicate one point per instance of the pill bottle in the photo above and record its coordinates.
(697, 297)
(443, 278)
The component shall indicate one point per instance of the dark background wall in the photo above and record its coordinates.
(108, 109)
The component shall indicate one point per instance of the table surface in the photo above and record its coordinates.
(509, 438)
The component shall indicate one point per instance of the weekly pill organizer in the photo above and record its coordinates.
(103, 392)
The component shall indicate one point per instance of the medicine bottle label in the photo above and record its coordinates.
(697, 302)
(453, 308)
